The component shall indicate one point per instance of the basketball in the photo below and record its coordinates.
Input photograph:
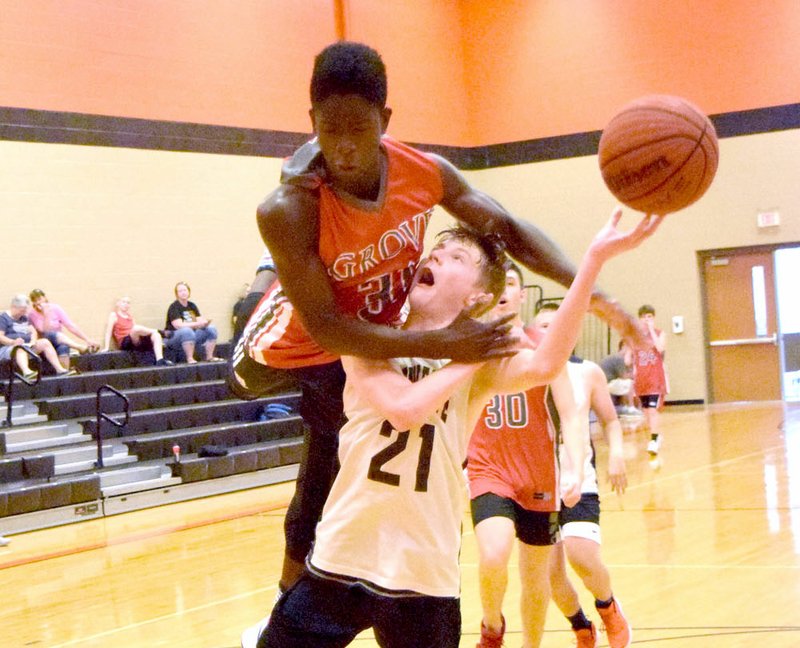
(658, 154)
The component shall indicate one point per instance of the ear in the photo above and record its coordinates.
(313, 123)
(386, 115)
(477, 302)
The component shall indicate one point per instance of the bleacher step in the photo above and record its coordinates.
(162, 481)
(73, 460)
(43, 444)
(20, 416)
(20, 434)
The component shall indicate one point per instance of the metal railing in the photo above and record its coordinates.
(102, 416)
(15, 374)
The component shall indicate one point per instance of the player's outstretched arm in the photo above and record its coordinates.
(528, 369)
(288, 222)
(405, 404)
(527, 244)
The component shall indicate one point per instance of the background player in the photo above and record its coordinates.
(512, 465)
(650, 378)
(580, 523)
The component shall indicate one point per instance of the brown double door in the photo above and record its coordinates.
(742, 353)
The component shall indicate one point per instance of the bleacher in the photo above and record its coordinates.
(184, 436)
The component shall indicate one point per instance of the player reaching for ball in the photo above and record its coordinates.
(387, 546)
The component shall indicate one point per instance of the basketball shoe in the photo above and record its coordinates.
(490, 639)
(587, 637)
(654, 445)
(617, 628)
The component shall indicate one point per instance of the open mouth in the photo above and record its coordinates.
(425, 277)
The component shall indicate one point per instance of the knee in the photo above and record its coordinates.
(183, 335)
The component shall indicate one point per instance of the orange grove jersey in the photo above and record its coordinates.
(370, 251)
(513, 451)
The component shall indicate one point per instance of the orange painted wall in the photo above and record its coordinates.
(462, 72)
(551, 67)
(243, 63)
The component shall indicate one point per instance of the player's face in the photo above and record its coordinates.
(449, 280)
(647, 320)
(349, 130)
(543, 320)
(512, 297)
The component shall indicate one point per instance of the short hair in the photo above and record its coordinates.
(547, 306)
(513, 267)
(182, 283)
(36, 293)
(20, 301)
(646, 309)
(493, 261)
(346, 68)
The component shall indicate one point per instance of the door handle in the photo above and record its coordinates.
(771, 339)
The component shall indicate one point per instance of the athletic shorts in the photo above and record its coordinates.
(581, 520)
(324, 613)
(652, 401)
(536, 528)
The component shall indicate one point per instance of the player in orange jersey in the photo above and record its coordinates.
(346, 228)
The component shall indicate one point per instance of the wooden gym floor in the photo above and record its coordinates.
(704, 551)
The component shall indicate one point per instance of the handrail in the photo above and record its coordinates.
(15, 374)
(769, 339)
(102, 416)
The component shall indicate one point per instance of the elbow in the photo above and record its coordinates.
(405, 420)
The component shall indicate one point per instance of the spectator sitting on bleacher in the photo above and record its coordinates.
(131, 336)
(189, 328)
(50, 320)
(16, 330)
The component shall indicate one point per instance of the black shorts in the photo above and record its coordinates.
(650, 400)
(536, 528)
(321, 388)
(586, 510)
(145, 344)
(323, 613)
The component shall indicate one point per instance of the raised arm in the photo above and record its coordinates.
(288, 222)
(526, 243)
(527, 368)
(405, 404)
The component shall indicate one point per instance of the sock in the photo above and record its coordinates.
(579, 620)
(654, 437)
(603, 605)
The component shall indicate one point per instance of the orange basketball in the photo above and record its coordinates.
(659, 154)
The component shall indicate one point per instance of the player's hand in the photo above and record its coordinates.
(611, 241)
(469, 340)
(570, 488)
(616, 473)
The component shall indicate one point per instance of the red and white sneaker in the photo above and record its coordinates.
(616, 625)
(587, 637)
(490, 639)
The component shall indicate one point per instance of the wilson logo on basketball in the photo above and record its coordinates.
(625, 179)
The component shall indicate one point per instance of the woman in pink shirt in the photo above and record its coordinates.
(50, 320)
